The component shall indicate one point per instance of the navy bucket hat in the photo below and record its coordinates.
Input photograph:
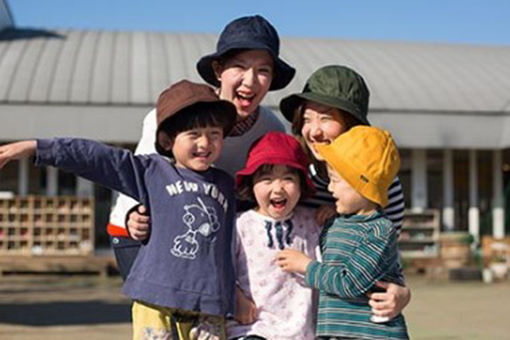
(251, 33)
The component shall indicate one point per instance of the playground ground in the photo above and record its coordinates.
(93, 308)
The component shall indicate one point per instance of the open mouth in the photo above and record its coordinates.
(202, 155)
(244, 99)
(279, 203)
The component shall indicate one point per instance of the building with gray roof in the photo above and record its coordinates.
(448, 106)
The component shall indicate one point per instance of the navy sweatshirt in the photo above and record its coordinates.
(187, 262)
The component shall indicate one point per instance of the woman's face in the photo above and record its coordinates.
(245, 79)
(321, 125)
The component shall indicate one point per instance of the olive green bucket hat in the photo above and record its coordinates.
(336, 86)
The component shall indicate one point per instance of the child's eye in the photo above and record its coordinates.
(216, 134)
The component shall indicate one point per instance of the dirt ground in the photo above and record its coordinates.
(92, 308)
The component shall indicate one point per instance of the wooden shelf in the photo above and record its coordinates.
(40, 225)
(419, 237)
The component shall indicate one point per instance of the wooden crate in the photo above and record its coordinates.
(495, 249)
(419, 238)
(40, 225)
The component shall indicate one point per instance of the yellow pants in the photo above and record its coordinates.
(159, 323)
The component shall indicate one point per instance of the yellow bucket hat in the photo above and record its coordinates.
(367, 158)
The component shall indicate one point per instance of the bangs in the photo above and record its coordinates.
(198, 115)
(245, 189)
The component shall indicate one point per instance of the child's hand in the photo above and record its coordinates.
(324, 212)
(138, 223)
(389, 303)
(292, 261)
(18, 150)
(245, 311)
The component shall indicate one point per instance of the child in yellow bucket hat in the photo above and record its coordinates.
(359, 247)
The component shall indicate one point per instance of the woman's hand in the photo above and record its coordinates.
(246, 310)
(18, 150)
(389, 303)
(292, 261)
(138, 223)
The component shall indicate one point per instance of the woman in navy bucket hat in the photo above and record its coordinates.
(244, 67)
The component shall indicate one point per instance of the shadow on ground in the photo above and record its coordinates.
(65, 313)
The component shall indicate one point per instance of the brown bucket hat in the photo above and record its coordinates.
(182, 95)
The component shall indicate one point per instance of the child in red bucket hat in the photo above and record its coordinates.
(276, 178)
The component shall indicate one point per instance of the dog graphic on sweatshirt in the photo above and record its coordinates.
(200, 220)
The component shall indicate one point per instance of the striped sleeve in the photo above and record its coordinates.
(395, 208)
(367, 264)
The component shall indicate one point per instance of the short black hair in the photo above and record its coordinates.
(198, 115)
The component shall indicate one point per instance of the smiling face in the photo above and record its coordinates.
(198, 148)
(245, 79)
(321, 125)
(348, 200)
(277, 192)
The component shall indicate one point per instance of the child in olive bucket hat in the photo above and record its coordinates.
(360, 246)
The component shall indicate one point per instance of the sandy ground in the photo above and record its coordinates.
(92, 308)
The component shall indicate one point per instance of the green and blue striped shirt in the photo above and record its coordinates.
(356, 251)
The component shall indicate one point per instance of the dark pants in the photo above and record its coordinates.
(250, 337)
(125, 250)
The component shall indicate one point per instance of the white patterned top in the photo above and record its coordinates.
(286, 306)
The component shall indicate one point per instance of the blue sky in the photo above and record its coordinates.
(450, 21)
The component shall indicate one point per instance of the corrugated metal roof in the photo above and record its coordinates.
(84, 83)
(131, 68)
(94, 67)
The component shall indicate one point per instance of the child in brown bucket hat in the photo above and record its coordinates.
(183, 274)
(360, 246)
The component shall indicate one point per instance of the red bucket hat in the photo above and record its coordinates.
(276, 148)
